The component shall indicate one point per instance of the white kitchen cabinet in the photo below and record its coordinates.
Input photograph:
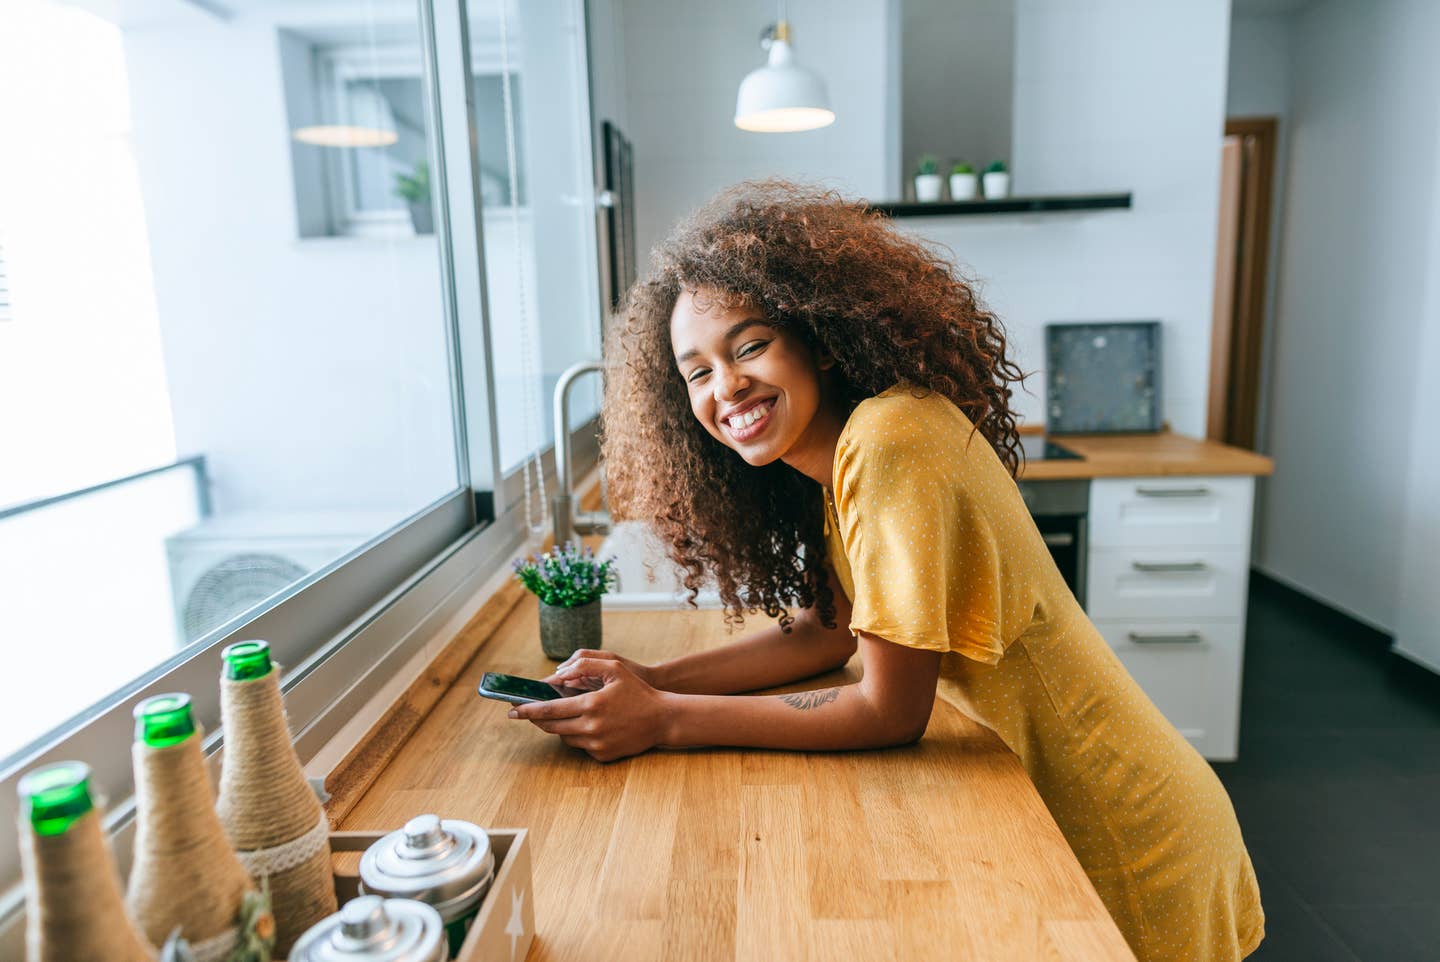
(1190, 670)
(1168, 584)
(1131, 512)
(1159, 581)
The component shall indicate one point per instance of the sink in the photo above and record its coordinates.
(647, 579)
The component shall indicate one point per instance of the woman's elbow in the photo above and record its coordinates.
(908, 728)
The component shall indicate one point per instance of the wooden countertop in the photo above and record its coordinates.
(938, 850)
(1141, 455)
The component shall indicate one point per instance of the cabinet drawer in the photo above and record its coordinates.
(1191, 671)
(1160, 511)
(1167, 582)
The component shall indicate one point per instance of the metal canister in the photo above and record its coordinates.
(447, 863)
(373, 929)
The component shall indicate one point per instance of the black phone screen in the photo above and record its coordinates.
(522, 687)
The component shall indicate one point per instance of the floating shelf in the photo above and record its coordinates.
(1009, 205)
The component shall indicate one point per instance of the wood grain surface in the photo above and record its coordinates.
(941, 849)
(1142, 455)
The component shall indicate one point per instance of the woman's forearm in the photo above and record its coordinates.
(828, 719)
(762, 660)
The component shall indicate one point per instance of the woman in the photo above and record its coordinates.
(815, 410)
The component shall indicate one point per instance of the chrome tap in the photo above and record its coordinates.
(569, 523)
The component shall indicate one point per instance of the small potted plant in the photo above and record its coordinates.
(996, 181)
(927, 181)
(414, 189)
(962, 181)
(569, 583)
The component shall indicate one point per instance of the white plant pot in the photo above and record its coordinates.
(927, 187)
(997, 185)
(962, 186)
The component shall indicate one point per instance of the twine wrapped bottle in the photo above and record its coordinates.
(73, 906)
(184, 874)
(271, 814)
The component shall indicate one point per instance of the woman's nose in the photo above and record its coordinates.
(728, 382)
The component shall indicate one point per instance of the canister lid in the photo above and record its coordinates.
(445, 862)
(373, 929)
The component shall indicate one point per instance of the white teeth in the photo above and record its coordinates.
(741, 421)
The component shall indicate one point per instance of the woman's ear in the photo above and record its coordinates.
(825, 361)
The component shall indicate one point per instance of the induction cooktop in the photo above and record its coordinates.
(1038, 447)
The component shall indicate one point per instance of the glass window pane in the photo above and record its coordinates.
(540, 261)
(218, 242)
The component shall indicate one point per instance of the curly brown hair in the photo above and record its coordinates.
(838, 275)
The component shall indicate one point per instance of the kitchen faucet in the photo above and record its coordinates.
(569, 523)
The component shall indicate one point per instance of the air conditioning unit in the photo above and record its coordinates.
(226, 565)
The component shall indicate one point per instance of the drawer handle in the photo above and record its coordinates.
(1189, 638)
(1167, 566)
(1059, 539)
(1196, 492)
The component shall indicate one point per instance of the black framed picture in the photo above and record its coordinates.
(620, 215)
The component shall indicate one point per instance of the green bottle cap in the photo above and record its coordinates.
(55, 796)
(164, 720)
(245, 660)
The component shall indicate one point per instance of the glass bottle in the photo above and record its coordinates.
(73, 906)
(184, 872)
(272, 815)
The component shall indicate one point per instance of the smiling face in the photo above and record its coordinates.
(756, 388)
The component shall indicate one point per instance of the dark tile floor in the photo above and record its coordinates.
(1337, 786)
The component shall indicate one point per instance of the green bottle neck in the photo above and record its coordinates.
(56, 796)
(164, 720)
(247, 660)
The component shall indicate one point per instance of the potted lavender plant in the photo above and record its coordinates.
(569, 583)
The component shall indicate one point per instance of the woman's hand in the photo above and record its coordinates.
(575, 680)
(624, 716)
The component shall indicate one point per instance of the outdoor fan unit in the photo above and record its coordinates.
(226, 565)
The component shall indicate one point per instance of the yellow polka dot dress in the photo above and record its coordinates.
(932, 542)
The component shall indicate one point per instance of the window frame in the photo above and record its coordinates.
(335, 68)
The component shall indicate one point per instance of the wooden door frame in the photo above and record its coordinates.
(1236, 375)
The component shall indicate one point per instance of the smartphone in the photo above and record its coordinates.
(522, 691)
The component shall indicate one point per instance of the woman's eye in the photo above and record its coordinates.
(695, 375)
(757, 345)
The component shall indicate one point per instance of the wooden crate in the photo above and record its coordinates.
(505, 924)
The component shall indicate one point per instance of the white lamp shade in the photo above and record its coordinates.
(782, 96)
(336, 135)
(372, 122)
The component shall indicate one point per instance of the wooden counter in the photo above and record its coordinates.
(939, 850)
(1142, 455)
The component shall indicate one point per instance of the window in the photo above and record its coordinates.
(374, 100)
(303, 394)
(544, 314)
(248, 392)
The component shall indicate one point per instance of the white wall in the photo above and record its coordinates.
(1261, 70)
(1348, 380)
(684, 63)
(1111, 96)
(1417, 622)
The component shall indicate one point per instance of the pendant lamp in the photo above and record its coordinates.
(374, 122)
(782, 96)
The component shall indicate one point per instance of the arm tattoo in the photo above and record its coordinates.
(805, 700)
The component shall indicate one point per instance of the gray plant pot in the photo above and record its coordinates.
(563, 631)
(422, 217)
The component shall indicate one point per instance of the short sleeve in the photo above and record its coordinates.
(923, 555)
